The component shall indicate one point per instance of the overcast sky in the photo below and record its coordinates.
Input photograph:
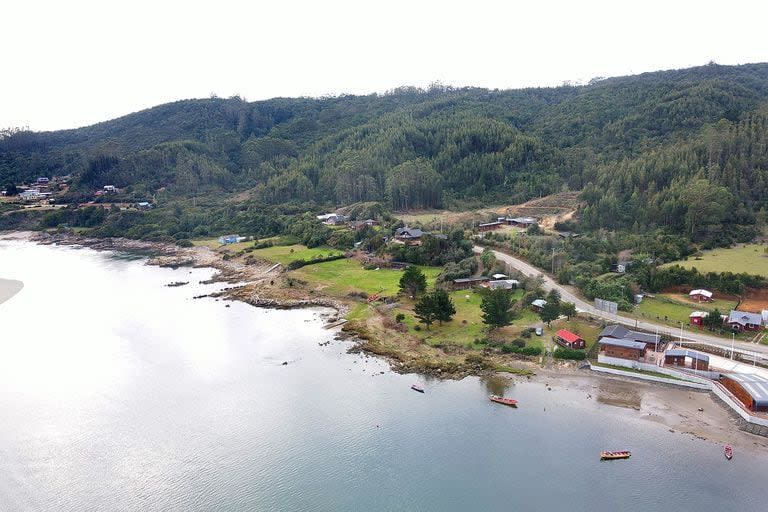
(70, 63)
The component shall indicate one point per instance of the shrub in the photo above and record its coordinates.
(520, 343)
(568, 353)
(399, 317)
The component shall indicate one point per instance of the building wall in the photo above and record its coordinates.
(738, 391)
(621, 352)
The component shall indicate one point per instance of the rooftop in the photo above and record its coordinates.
(683, 352)
(620, 342)
(744, 318)
(470, 279)
(568, 335)
(705, 293)
(755, 385)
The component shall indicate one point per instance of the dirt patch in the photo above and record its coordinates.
(754, 300)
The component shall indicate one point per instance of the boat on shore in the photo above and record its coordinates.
(728, 452)
(502, 400)
(615, 455)
(418, 388)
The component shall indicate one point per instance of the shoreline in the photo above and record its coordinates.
(260, 286)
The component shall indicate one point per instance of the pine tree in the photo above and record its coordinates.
(497, 308)
(426, 309)
(444, 308)
(413, 281)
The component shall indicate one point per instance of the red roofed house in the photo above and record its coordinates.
(569, 339)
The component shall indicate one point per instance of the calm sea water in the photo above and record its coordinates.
(119, 393)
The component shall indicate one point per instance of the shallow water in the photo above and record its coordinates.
(119, 393)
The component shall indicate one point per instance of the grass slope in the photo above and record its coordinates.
(749, 258)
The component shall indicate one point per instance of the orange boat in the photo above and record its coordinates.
(728, 452)
(502, 400)
(615, 455)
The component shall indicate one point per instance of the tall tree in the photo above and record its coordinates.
(413, 281)
(549, 312)
(426, 309)
(444, 308)
(497, 308)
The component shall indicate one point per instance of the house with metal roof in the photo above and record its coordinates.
(620, 348)
(620, 332)
(745, 321)
(750, 389)
(469, 282)
(569, 339)
(538, 304)
(700, 295)
(506, 284)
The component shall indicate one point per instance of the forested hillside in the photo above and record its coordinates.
(683, 151)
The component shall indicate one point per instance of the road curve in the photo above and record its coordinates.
(586, 307)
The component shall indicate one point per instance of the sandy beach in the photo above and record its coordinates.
(9, 288)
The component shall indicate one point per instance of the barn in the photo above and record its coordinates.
(622, 348)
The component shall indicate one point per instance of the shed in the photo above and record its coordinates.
(700, 295)
(499, 276)
(569, 339)
(469, 282)
(538, 304)
(489, 226)
(622, 348)
(750, 389)
(697, 318)
(678, 356)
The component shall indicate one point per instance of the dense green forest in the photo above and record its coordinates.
(680, 151)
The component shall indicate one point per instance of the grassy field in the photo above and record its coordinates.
(341, 277)
(749, 258)
(287, 253)
(723, 305)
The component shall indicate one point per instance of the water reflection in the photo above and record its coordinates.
(497, 385)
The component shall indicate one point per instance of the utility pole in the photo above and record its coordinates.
(733, 343)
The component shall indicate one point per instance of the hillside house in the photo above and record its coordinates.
(42, 180)
(360, 224)
(678, 357)
(538, 304)
(700, 295)
(697, 318)
(744, 321)
(109, 189)
(569, 339)
(408, 235)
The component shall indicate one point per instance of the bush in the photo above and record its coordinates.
(520, 343)
(568, 353)
(399, 317)
(184, 242)
(303, 263)
(525, 351)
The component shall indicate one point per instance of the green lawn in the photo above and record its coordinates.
(723, 305)
(340, 277)
(749, 258)
(666, 311)
(287, 253)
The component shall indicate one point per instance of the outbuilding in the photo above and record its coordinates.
(622, 348)
(750, 389)
(489, 226)
(506, 284)
(469, 282)
(569, 339)
(678, 356)
(700, 295)
(538, 304)
(697, 318)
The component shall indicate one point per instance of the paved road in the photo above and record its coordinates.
(586, 307)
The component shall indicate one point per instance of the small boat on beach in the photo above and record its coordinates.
(615, 455)
(418, 388)
(502, 400)
(728, 452)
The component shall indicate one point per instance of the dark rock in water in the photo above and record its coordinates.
(226, 305)
(177, 283)
(285, 363)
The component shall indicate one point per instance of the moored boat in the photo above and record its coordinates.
(615, 455)
(418, 388)
(728, 452)
(502, 400)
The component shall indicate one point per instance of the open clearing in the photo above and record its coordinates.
(749, 258)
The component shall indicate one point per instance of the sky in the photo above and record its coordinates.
(73, 63)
